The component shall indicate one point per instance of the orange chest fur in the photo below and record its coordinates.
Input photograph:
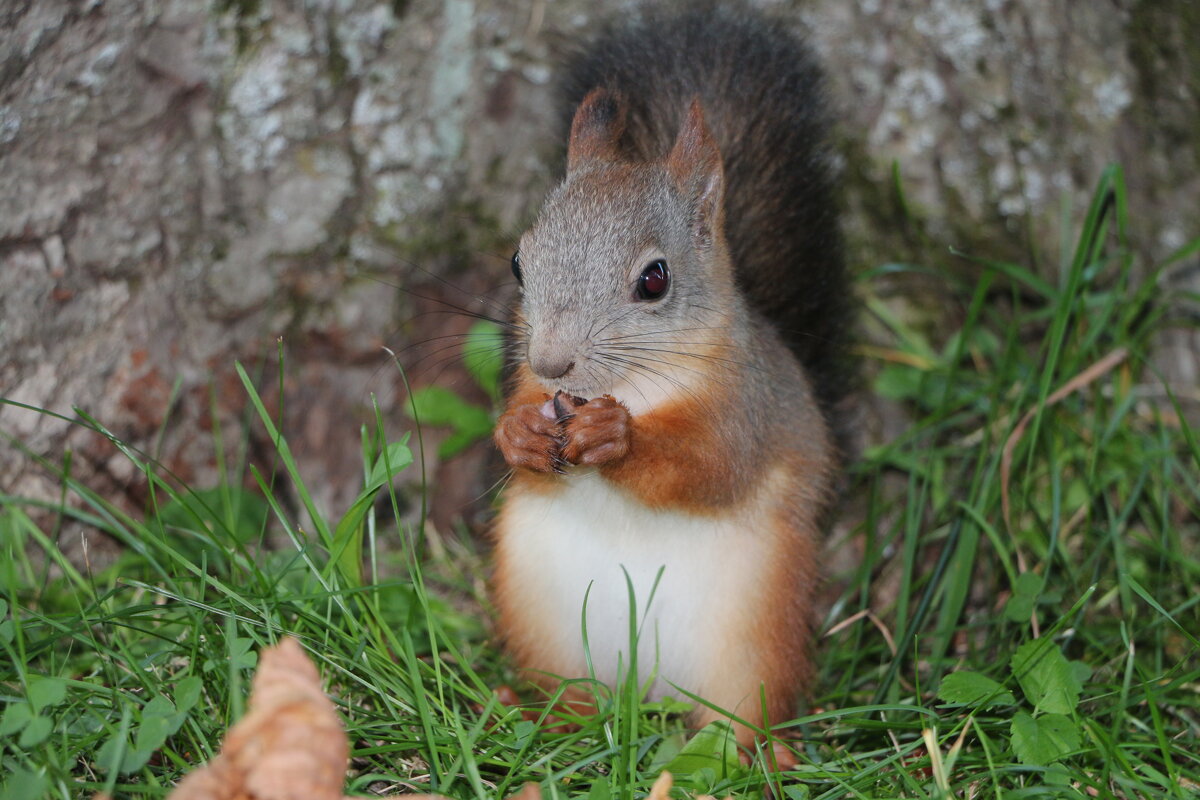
(684, 455)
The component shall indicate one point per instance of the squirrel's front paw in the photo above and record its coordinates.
(597, 433)
(529, 439)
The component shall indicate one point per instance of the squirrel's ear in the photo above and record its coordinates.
(598, 124)
(695, 165)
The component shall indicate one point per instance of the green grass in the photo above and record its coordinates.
(1020, 625)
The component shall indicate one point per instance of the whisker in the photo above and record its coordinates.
(631, 364)
(685, 354)
(622, 372)
(618, 374)
(686, 342)
(676, 347)
(424, 342)
(446, 355)
(618, 318)
(496, 304)
(499, 485)
(505, 323)
(664, 361)
(663, 331)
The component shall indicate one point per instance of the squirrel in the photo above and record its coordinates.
(673, 420)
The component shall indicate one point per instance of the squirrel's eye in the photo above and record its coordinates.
(654, 281)
(516, 268)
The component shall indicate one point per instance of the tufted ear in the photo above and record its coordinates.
(598, 124)
(694, 163)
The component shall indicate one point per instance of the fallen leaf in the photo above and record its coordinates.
(661, 790)
(529, 791)
(289, 746)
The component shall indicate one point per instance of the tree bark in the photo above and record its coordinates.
(186, 186)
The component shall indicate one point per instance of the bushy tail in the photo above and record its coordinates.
(762, 93)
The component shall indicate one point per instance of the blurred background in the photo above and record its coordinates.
(187, 184)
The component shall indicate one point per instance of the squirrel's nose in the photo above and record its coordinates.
(550, 360)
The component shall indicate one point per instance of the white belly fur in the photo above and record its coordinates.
(591, 534)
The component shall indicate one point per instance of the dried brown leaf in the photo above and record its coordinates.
(290, 746)
(661, 790)
(529, 791)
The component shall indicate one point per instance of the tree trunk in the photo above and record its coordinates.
(185, 187)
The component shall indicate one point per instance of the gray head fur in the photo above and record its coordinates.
(589, 334)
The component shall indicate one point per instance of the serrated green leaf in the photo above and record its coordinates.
(21, 784)
(1047, 679)
(36, 732)
(1029, 583)
(8, 631)
(187, 693)
(1019, 608)
(3, 608)
(1043, 740)
(972, 689)
(46, 692)
(1058, 775)
(16, 717)
(483, 356)
(1024, 732)
(1024, 598)
(712, 752)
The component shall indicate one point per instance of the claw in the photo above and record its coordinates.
(565, 405)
